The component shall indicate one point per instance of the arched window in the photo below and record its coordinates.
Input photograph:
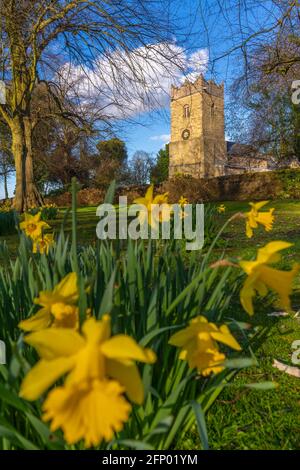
(186, 111)
(212, 110)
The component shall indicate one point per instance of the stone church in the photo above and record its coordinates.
(198, 145)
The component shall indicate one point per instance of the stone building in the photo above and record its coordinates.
(243, 158)
(198, 145)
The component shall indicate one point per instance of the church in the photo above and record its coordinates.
(198, 146)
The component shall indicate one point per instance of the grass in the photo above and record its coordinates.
(242, 418)
(247, 419)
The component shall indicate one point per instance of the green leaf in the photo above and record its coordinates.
(15, 438)
(41, 428)
(150, 336)
(106, 305)
(263, 385)
(138, 445)
(11, 399)
(240, 363)
(110, 195)
(200, 418)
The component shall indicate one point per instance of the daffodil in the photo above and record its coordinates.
(150, 211)
(94, 355)
(92, 411)
(256, 218)
(221, 208)
(262, 277)
(183, 201)
(199, 343)
(58, 307)
(33, 225)
(43, 244)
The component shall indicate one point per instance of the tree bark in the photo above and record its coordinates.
(18, 149)
(5, 186)
(32, 198)
(26, 194)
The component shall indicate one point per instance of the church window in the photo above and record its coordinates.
(212, 110)
(186, 111)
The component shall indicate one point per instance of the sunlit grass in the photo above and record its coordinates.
(240, 418)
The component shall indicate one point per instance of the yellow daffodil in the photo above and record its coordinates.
(183, 201)
(256, 218)
(199, 345)
(58, 307)
(94, 355)
(221, 208)
(33, 225)
(89, 410)
(262, 277)
(43, 244)
(151, 204)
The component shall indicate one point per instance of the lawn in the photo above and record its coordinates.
(242, 418)
(246, 419)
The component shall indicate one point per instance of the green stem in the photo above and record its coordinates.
(74, 226)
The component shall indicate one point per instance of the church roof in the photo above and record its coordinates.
(237, 150)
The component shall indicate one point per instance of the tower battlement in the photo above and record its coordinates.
(198, 86)
(197, 144)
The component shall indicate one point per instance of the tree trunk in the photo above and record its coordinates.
(5, 186)
(26, 194)
(18, 148)
(33, 197)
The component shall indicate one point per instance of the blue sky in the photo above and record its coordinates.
(199, 29)
(218, 40)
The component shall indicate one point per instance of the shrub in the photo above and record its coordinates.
(8, 222)
(6, 206)
(290, 183)
(48, 211)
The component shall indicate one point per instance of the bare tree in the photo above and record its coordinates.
(39, 37)
(261, 93)
(6, 158)
(259, 43)
(234, 29)
(140, 167)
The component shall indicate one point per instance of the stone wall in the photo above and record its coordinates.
(282, 184)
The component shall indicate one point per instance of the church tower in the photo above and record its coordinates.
(197, 144)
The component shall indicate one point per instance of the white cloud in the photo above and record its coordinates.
(197, 63)
(161, 138)
(124, 84)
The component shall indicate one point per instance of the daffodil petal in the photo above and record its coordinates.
(122, 346)
(258, 205)
(97, 331)
(43, 375)
(249, 231)
(127, 374)
(141, 201)
(149, 194)
(247, 293)
(280, 282)
(55, 342)
(248, 266)
(266, 254)
(261, 288)
(224, 336)
(39, 321)
(67, 288)
(180, 338)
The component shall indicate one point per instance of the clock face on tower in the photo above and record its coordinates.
(186, 134)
